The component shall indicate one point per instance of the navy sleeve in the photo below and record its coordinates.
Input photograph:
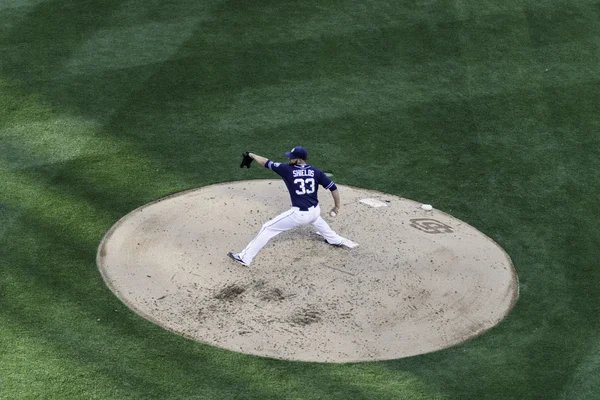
(326, 182)
(275, 166)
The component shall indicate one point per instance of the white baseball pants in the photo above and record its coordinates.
(286, 221)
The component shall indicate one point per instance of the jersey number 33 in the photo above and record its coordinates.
(305, 186)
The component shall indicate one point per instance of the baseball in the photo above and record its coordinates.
(427, 207)
(332, 213)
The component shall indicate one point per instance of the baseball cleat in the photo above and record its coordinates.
(349, 243)
(345, 242)
(237, 258)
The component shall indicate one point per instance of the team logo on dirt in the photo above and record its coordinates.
(429, 225)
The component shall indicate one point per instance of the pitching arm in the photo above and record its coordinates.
(336, 199)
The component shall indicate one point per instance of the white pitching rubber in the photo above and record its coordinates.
(374, 203)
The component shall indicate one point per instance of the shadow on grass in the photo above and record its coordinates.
(198, 83)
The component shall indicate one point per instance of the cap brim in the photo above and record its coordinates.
(289, 155)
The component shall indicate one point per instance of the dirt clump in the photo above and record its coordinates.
(272, 295)
(305, 317)
(230, 292)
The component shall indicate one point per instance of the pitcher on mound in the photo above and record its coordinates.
(302, 181)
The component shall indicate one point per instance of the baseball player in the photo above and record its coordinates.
(302, 182)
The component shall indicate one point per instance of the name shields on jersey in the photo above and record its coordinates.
(303, 172)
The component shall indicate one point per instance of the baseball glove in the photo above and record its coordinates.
(246, 161)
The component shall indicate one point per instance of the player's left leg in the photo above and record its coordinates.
(324, 230)
(281, 223)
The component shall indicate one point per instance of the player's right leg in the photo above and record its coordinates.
(281, 223)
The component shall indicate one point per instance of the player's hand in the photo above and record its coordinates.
(334, 211)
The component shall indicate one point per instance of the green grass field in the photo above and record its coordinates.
(490, 110)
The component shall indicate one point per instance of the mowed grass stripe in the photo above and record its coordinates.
(50, 33)
(390, 40)
(193, 74)
(94, 189)
(251, 76)
(397, 86)
(382, 91)
(11, 4)
(285, 21)
(585, 382)
(130, 46)
(56, 140)
(133, 12)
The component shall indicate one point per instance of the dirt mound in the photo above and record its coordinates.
(420, 280)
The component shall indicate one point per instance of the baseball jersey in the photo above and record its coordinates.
(302, 182)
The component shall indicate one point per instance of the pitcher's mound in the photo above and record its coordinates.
(420, 280)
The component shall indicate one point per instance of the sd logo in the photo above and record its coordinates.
(429, 225)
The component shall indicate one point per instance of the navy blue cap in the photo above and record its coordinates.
(297, 152)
